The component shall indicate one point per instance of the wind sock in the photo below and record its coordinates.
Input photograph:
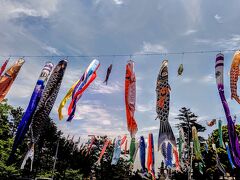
(229, 156)
(180, 69)
(3, 67)
(234, 73)
(91, 144)
(117, 151)
(8, 78)
(136, 150)
(206, 146)
(108, 74)
(130, 98)
(169, 156)
(196, 144)
(142, 153)
(132, 149)
(162, 106)
(27, 117)
(212, 123)
(76, 91)
(123, 139)
(218, 163)
(221, 143)
(150, 160)
(181, 143)
(45, 105)
(103, 151)
(233, 137)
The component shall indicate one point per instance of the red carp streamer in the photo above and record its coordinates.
(130, 98)
(3, 67)
(123, 140)
(107, 142)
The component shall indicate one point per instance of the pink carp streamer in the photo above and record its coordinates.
(107, 142)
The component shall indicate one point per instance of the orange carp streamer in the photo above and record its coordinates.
(8, 78)
(234, 73)
(130, 98)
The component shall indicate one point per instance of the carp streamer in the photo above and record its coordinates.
(76, 91)
(27, 117)
(45, 105)
(130, 98)
(142, 153)
(196, 144)
(233, 138)
(109, 70)
(221, 143)
(103, 151)
(150, 159)
(8, 78)
(3, 67)
(117, 151)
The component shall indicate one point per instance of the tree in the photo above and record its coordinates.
(187, 120)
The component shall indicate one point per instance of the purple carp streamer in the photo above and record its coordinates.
(233, 138)
(8, 78)
(27, 117)
(162, 106)
(45, 105)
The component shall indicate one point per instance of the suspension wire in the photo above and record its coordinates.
(124, 55)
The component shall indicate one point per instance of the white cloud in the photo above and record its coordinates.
(153, 48)
(208, 79)
(118, 2)
(189, 32)
(218, 18)
(101, 88)
(186, 79)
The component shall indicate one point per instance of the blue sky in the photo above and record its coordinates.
(87, 27)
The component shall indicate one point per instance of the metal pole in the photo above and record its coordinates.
(55, 160)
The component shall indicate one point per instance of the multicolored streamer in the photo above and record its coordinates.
(142, 153)
(103, 151)
(151, 159)
(87, 78)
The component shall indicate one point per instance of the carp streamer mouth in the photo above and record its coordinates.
(164, 69)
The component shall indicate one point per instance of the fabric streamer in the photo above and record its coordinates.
(164, 151)
(123, 139)
(125, 148)
(103, 151)
(130, 98)
(45, 105)
(142, 153)
(8, 78)
(117, 151)
(109, 70)
(77, 90)
(91, 144)
(27, 116)
(177, 162)
(29, 155)
(180, 69)
(234, 74)
(3, 67)
(212, 122)
(233, 137)
(229, 156)
(150, 159)
(218, 163)
(162, 106)
(206, 146)
(132, 149)
(181, 143)
(169, 156)
(136, 150)
(221, 143)
(196, 144)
